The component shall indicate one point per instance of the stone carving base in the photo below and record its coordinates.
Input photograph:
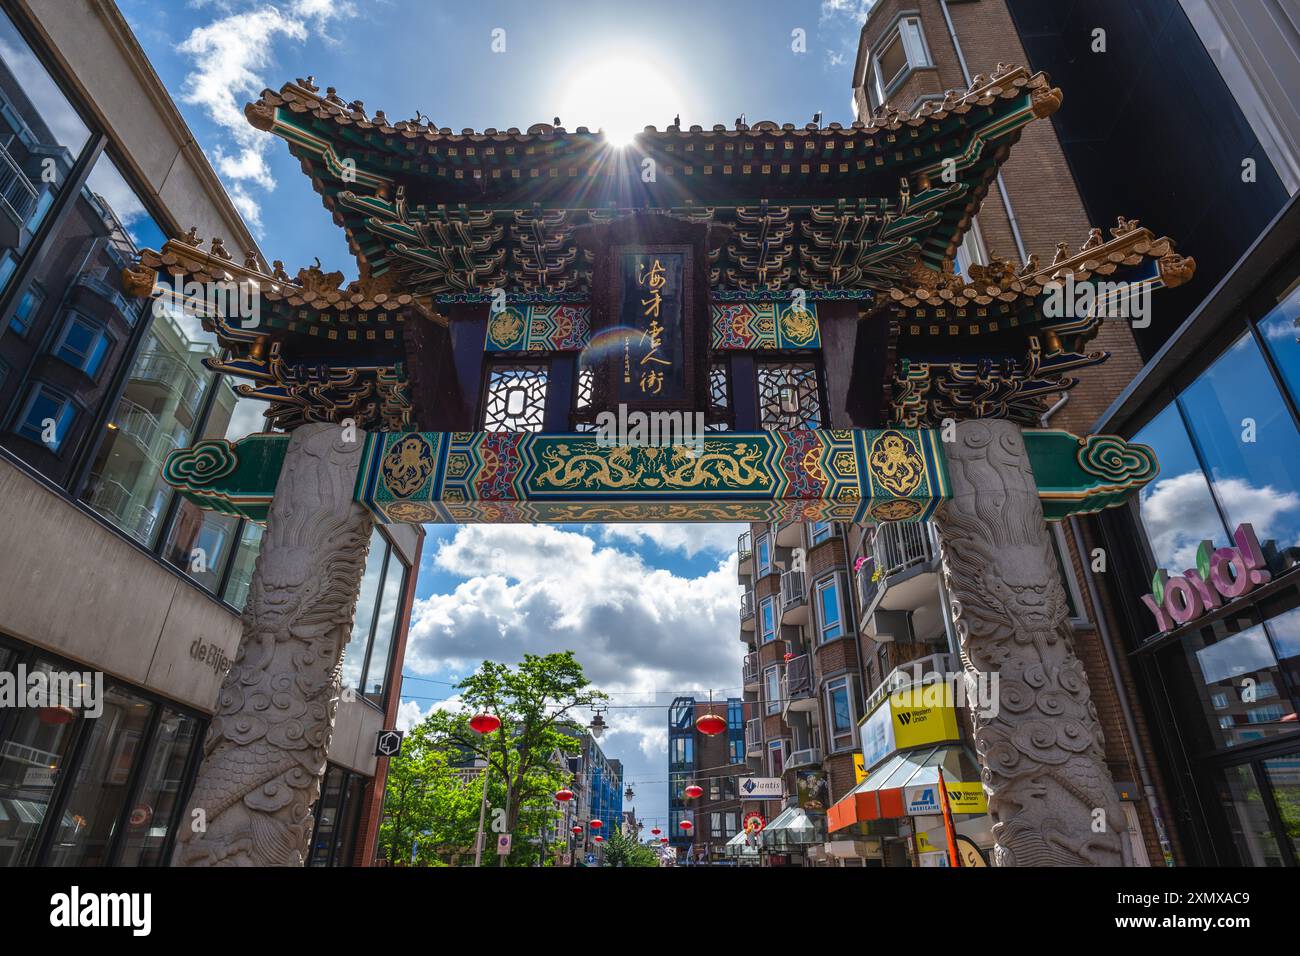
(264, 755)
(1050, 793)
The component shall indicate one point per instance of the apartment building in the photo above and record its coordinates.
(103, 569)
(597, 795)
(716, 764)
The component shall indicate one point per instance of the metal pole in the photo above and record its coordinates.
(482, 812)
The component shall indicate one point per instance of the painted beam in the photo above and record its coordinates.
(514, 477)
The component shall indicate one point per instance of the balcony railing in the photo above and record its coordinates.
(811, 757)
(899, 546)
(172, 373)
(745, 547)
(750, 671)
(17, 191)
(798, 677)
(905, 675)
(747, 605)
(754, 736)
(792, 590)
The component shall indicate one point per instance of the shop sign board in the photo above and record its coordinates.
(905, 720)
(761, 788)
(1221, 574)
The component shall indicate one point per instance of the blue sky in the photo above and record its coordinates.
(650, 610)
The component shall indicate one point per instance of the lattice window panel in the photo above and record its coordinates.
(516, 398)
(788, 396)
(719, 401)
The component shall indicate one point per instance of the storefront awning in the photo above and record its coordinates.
(907, 783)
(791, 829)
(741, 846)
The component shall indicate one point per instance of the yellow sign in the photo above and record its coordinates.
(859, 767)
(967, 797)
(923, 714)
(923, 844)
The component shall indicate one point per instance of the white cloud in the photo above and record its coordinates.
(1179, 514)
(229, 55)
(641, 633)
(690, 539)
(856, 10)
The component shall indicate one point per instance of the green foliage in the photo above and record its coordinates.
(428, 802)
(622, 850)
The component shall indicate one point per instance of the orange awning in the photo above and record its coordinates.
(880, 795)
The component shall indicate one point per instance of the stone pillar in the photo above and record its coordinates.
(1050, 793)
(264, 755)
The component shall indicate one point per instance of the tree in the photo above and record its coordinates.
(624, 850)
(429, 808)
(536, 704)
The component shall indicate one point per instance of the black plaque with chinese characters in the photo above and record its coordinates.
(653, 359)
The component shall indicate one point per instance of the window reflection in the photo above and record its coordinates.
(1280, 335)
(1248, 441)
(385, 624)
(354, 656)
(1177, 509)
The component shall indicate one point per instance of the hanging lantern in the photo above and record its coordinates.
(656, 831)
(564, 794)
(484, 723)
(694, 791)
(711, 724)
(663, 839)
(596, 824)
(629, 793)
(577, 829)
(686, 825)
(598, 838)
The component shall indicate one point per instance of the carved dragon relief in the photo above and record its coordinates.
(265, 751)
(1042, 752)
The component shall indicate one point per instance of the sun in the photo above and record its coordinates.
(622, 96)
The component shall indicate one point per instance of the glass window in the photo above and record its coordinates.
(40, 137)
(767, 617)
(821, 531)
(1279, 331)
(776, 757)
(46, 418)
(385, 626)
(1283, 775)
(1177, 509)
(354, 655)
(1248, 442)
(241, 571)
(1232, 676)
(150, 820)
(34, 752)
(80, 268)
(1247, 819)
(98, 794)
(764, 552)
(82, 345)
(772, 690)
(829, 623)
(327, 816)
(29, 306)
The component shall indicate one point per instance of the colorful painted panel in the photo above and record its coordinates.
(736, 326)
(539, 328)
(765, 325)
(891, 475)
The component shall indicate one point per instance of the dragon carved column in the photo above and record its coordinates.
(264, 755)
(1050, 793)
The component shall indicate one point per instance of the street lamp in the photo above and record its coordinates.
(597, 726)
(628, 794)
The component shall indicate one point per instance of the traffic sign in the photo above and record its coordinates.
(503, 844)
(389, 743)
(754, 822)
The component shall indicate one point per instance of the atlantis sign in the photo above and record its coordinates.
(1221, 574)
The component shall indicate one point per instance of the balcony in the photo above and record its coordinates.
(747, 612)
(904, 565)
(745, 556)
(797, 685)
(794, 598)
(913, 672)
(788, 532)
(754, 737)
(812, 757)
(750, 671)
(172, 373)
(18, 197)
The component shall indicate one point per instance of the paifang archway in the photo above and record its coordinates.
(791, 286)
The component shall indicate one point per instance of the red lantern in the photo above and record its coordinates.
(596, 824)
(577, 829)
(693, 791)
(663, 839)
(598, 839)
(484, 723)
(686, 824)
(711, 724)
(564, 794)
(656, 831)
